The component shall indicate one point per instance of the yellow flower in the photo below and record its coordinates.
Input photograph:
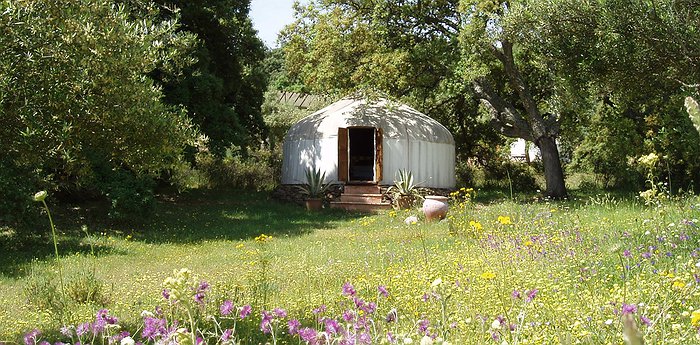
(263, 238)
(529, 243)
(476, 225)
(505, 220)
(678, 284)
(695, 318)
(488, 275)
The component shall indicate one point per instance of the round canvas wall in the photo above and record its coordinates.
(406, 139)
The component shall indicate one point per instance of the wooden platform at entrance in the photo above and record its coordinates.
(361, 197)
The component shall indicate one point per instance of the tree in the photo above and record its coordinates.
(408, 50)
(223, 91)
(74, 96)
(637, 57)
(499, 63)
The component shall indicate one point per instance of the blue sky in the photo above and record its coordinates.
(269, 17)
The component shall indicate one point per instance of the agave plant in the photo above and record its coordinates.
(314, 186)
(404, 190)
(403, 184)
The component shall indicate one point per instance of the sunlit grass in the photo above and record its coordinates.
(579, 261)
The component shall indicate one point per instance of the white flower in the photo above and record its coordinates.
(407, 341)
(496, 324)
(436, 282)
(40, 196)
(146, 313)
(426, 340)
(411, 220)
(127, 341)
(608, 322)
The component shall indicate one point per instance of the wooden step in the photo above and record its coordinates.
(366, 198)
(360, 206)
(362, 189)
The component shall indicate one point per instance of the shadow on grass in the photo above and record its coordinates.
(184, 219)
(233, 215)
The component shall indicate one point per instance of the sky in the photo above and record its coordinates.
(269, 17)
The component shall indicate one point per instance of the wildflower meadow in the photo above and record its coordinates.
(589, 270)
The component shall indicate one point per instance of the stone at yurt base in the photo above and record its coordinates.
(435, 207)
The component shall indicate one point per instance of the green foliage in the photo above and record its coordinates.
(73, 87)
(131, 196)
(691, 105)
(279, 117)
(403, 183)
(314, 186)
(609, 140)
(224, 90)
(253, 169)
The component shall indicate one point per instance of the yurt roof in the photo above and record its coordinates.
(397, 121)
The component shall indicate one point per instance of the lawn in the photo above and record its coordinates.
(520, 272)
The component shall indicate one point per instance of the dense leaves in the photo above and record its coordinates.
(74, 93)
(223, 91)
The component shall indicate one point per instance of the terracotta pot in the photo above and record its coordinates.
(314, 204)
(435, 207)
(404, 202)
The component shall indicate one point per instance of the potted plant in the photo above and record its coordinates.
(314, 188)
(404, 190)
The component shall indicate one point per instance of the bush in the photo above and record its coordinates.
(17, 187)
(254, 169)
(131, 197)
(503, 174)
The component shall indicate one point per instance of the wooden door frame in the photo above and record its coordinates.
(344, 154)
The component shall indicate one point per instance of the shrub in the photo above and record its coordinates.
(256, 169)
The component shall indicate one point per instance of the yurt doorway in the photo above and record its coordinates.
(360, 154)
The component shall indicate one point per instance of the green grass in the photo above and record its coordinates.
(572, 252)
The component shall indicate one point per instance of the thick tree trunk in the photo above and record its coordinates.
(553, 173)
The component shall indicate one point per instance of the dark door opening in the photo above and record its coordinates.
(361, 154)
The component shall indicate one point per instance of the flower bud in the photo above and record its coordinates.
(40, 196)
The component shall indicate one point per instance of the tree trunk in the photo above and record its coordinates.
(553, 173)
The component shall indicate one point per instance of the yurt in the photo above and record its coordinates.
(356, 140)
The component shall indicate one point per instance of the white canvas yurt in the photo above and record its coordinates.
(359, 141)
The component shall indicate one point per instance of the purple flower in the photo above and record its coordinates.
(383, 291)
(44, 342)
(82, 328)
(646, 255)
(423, 326)
(627, 253)
(293, 325)
(365, 338)
(308, 335)
(320, 310)
(66, 331)
(392, 316)
(153, 327)
(628, 308)
(645, 320)
(516, 294)
(331, 326)
(531, 295)
(226, 307)
(348, 316)
(348, 289)
(390, 338)
(226, 335)
(203, 286)
(369, 308)
(280, 313)
(245, 311)
(265, 325)
(31, 337)
(166, 294)
(199, 297)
